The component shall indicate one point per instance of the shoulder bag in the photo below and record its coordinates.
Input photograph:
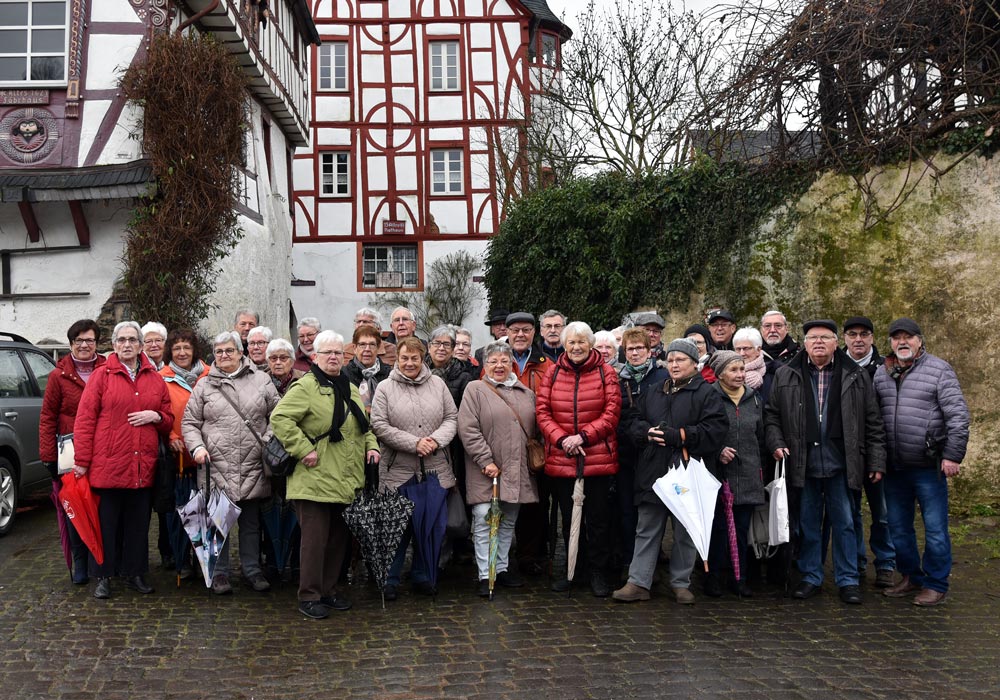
(536, 451)
(277, 461)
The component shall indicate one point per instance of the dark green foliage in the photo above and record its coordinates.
(599, 247)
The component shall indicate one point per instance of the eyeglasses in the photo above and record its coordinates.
(324, 353)
(257, 343)
(820, 338)
(440, 344)
(84, 341)
(306, 336)
(637, 348)
(519, 331)
(127, 341)
(366, 345)
(224, 352)
(498, 361)
(858, 334)
(553, 326)
(769, 326)
(279, 358)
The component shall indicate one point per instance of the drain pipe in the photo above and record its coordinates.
(187, 23)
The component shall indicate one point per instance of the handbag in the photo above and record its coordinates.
(277, 461)
(458, 519)
(536, 451)
(758, 535)
(777, 512)
(66, 458)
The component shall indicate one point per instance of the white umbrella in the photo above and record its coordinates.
(207, 525)
(574, 530)
(690, 493)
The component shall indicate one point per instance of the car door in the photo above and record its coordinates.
(20, 407)
(39, 366)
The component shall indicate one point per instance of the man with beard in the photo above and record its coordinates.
(777, 343)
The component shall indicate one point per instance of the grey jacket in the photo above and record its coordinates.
(925, 414)
(405, 410)
(211, 422)
(746, 436)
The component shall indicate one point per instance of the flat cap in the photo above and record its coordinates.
(650, 317)
(519, 317)
(862, 321)
(906, 325)
(826, 323)
(721, 315)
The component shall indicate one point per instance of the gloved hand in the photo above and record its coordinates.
(53, 469)
(671, 436)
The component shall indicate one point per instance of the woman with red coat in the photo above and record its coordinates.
(577, 411)
(62, 397)
(124, 411)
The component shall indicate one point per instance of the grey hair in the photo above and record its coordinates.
(327, 338)
(463, 331)
(126, 324)
(442, 331)
(577, 328)
(403, 308)
(246, 312)
(228, 337)
(279, 344)
(375, 315)
(606, 335)
(154, 327)
(550, 313)
(751, 334)
(261, 330)
(774, 312)
(498, 347)
(311, 322)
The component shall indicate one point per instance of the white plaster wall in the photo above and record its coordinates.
(107, 55)
(113, 11)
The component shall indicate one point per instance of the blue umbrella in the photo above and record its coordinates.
(279, 519)
(430, 519)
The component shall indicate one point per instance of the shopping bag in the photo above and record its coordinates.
(66, 453)
(777, 513)
(758, 536)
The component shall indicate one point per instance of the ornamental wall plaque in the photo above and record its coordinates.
(28, 134)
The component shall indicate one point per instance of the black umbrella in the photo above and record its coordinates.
(378, 520)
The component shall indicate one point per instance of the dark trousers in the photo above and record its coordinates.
(596, 526)
(531, 532)
(124, 513)
(626, 513)
(325, 539)
(719, 556)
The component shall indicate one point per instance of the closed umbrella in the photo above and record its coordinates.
(690, 492)
(734, 546)
(207, 523)
(280, 521)
(63, 527)
(80, 505)
(493, 518)
(430, 518)
(180, 542)
(573, 545)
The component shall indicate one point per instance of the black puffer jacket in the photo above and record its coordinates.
(746, 436)
(697, 408)
(454, 375)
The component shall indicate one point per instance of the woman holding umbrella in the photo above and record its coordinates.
(123, 412)
(322, 422)
(577, 412)
(62, 398)
(685, 414)
(415, 419)
(496, 452)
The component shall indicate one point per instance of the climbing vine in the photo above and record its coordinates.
(193, 97)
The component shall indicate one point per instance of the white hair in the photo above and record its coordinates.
(246, 312)
(311, 322)
(261, 330)
(327, 338)
(127, 324)
(749, 333)
(498, 347)
(551, 313)
(277, 345)
(409, 314)
(448, 331)
(375, 316)
(774, 312)
(154, 327)
(606, 335)
(577, 328)
(228, 337)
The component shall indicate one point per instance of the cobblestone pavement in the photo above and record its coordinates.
(56, 641)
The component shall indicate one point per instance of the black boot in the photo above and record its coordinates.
(598, 586)
(713, 588)
(138, 584)
(103, 590)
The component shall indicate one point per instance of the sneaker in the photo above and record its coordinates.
(312, 608)
(336, 603)
(885, 578)
(927, 598)
(259, 583)
(901, 589)
(683, 596)
(630, 593)
(483, 587)
(508, 579)
(221, 585)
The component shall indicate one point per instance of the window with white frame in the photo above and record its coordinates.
(333, 66)
(33, 41)
(335, 174)
(446, 171)
(444, 65)
(389, 266)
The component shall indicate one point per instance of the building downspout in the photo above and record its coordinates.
(188, 22)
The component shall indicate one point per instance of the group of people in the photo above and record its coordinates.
(614, 411)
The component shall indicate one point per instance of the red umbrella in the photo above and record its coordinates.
(734, 548)
(80, 504)
(63, 529)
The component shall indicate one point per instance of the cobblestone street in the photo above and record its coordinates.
(57, 641)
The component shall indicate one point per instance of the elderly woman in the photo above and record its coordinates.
(496, 449)
(62, 397)
(280, 358)
(463, 352)
(577, 412)
(225, 423)
(740, 467)
(606, 344)
(154, 339)
(702, 338)
(685, 413)
(442, 362)
(415, 420)
(365, 370)
(257, 340)
(321, 421)
(748, 343)
(123, 412)
(182, 371)
(308, 329)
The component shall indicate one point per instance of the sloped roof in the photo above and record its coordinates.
(121, 181)
(549, 20)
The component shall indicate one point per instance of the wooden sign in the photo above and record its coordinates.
(393, 228)
(24, 97)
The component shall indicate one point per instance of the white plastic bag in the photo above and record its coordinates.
(777, 514)
(67, 455)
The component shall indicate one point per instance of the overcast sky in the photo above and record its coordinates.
(570, 8)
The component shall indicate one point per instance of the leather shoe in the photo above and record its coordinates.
(850, 595)
(562, 585)
(630, 593)
(928, 598)
(138, 584)
(508, 579)
(806, 590)
(901, 589)
(483, 588)
(683, 596)
(336, 603)
(103, 590)
(713, 588)
(885, 578)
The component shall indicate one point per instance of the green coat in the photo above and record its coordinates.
(307, 409)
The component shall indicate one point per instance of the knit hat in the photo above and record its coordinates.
(907, 325)
(703, 332)
(721, 359)
(826, 323)
(685, 346)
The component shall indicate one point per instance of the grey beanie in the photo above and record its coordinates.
(685, 346)
(721, 359)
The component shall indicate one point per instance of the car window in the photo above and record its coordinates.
(14, 381)
(40, 365)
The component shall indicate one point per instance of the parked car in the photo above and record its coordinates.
(24, 371)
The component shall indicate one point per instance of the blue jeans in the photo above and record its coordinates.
(832, 497)
(879, 538)
(930, 489)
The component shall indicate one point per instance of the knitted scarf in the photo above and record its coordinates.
(188, 376)
(755, 372)
(368, 374)
(636, 373)
(341, 387)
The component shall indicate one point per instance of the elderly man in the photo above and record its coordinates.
(373, 319)
(308, 329)
(497, 322)
(778, 345)
(257, 340)
(722, 325)
(653, 324)
(403, 324)
(927, 421)
(551, 325)
(822, 418)
(530, 363)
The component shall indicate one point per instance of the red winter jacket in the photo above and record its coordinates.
(62, 396)
(118, 455)
(584, 400)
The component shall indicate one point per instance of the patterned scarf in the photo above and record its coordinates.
(188, 376)
(636, 372)
(755, 372)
